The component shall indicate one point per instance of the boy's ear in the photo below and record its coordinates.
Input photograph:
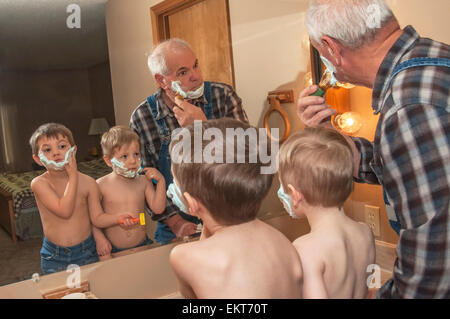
(193, 203)
(37, 160)
(107, 160)
(296, 195)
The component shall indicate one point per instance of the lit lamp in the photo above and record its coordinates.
(349, 122)
(98, 126)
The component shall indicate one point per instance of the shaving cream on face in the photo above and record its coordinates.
(286, 201)
(120, 169)
(190, 95)
(331, 69)
(174, 193)
(50, 164)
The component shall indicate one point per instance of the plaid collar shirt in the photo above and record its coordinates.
(410, 158)
(225, 103)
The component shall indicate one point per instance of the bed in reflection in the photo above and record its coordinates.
(19, 214)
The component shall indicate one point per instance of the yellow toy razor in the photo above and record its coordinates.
(142, 219)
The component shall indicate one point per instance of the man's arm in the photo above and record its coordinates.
(362, 155)
(314, 112)
(233, 104)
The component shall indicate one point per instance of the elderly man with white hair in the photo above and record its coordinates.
(362, 43)
(182, 98)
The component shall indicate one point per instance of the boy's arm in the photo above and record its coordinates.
(313, 271)
(101, 242)
(98, 216)
(61, 206)
(156, 199)
(313, 283)
(178, 263)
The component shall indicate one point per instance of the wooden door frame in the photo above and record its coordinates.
(160, 12)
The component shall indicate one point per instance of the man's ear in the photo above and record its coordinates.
(333, 48)
(162, 82)
(37, 160)
(107, 160)
(296, 196)
(193, 203)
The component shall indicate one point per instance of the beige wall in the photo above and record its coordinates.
(270, 52)
(129, 33)
(101, 92)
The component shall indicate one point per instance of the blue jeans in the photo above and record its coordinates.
(146, 241)
(56, 258)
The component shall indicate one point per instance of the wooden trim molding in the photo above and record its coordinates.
(161, 11)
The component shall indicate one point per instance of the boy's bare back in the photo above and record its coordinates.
(123, 195)
(64, 231)
(249, 260)
(337, 255)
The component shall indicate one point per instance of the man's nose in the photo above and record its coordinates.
(196, 75)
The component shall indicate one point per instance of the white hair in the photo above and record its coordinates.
(351, 22)
(157, 62)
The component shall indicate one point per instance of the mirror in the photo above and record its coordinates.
(54, 67)
(51, 70)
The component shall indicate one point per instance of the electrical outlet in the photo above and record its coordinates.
(372, 214)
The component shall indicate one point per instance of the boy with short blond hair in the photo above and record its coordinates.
(237, 256)
(67, 201)
(315, 171)
(126, 190)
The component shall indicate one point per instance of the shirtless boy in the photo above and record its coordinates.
(124, 190)
(315, 170)
(237, 256)
(67, 201)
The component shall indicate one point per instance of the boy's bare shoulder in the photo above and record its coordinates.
(86, 178)
(39, 181)
(141, 179)
(304, 241)
(104, 179)
(367, 232)
(182, 252)
(87, 182)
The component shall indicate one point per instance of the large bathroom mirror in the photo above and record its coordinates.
(83, 64)
(54, 67)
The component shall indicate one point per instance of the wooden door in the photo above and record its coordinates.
(205, 25)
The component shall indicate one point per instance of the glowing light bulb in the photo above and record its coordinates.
(348, 122)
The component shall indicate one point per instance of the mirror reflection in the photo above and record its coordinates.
(85, 64)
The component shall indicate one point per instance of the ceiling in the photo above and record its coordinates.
(34, 35)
